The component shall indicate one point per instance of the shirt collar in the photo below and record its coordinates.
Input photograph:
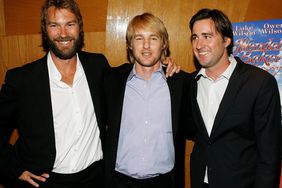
(134, 74)
(226, 74)
(54, 72)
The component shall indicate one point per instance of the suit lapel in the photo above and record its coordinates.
(120, 85)
(94, 80)
(41, 88)
(117, 90)
(175, 103)
(90, 72)
(228, 99)
(196, 110)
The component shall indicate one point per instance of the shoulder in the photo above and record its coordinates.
(181, 80)
(186, 75)
(26, 71)
(180, 75)
(97, 58)
(119, 71)
(254, 78)
(122, 69)
(253, 72)
(115, 78)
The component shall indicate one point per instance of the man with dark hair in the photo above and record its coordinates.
(236, 109)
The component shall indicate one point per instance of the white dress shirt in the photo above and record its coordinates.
(210, 93)
(77, 134)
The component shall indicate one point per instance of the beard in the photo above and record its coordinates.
(65, 53)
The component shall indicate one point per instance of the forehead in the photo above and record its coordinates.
(204, 26)
(59, 14)
(145, 31)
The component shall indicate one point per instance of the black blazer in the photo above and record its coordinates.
(243, 150)
(115, 84)
(25, 104)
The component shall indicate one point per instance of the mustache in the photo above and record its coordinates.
(63, 39)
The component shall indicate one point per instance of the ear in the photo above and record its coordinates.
(227, 41)
(164, 45)
(129, 47)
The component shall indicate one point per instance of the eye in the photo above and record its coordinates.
(154, 38)
(194, 37)
(207, 36)
(52, 25)
(138, 38)
(71, 24)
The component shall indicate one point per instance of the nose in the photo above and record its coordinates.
(198, 44)
(63, 31)
(146, 43)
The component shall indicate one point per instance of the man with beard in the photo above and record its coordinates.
(56, 105)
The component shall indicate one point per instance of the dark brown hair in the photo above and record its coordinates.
(221, 21)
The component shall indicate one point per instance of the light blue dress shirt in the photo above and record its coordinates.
(145, 147)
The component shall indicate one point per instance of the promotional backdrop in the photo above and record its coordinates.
(260, 43)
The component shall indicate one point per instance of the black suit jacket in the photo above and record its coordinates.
(243, 150)
(25, 104)
(115, 84)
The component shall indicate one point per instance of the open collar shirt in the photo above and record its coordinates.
(77, 134)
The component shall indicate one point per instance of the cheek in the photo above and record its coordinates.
(74, 31)
(157, 46)
(194, 48)
(52, 33)
(71, 32)
(135, 47)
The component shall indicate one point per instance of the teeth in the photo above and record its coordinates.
(203, 53)
(146, 53)
(64, 42)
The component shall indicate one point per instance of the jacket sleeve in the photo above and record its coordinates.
(187, 120)
(267, 125)
(9, 165)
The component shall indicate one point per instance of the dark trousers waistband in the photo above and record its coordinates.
(205, 185)
(83, 179)
(90, 177)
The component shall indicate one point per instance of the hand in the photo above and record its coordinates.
(172, 67)
(28, 177)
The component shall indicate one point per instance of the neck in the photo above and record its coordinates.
(146, 72)
(217, 70)
(66, 67)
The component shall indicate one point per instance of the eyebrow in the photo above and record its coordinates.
(207, 33)
(54, 22)
(151, 35)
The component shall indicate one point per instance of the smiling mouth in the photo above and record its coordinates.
(146, 54)
(64, 42)
(202, 53)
